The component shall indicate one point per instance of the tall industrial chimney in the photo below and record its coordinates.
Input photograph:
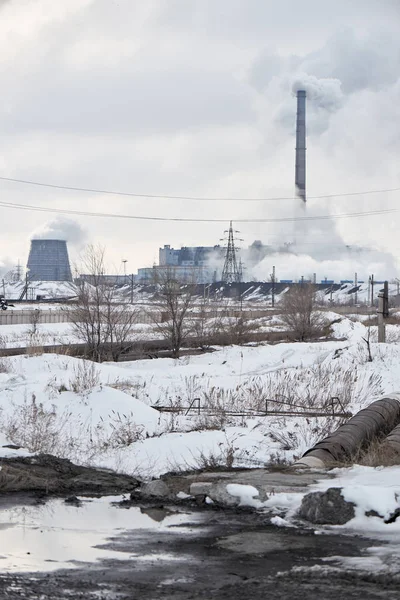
(300, 176)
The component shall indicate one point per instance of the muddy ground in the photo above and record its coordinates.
(217, 552)
(47, 475)
(223, 554)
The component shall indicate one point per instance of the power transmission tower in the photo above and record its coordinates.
(18, 272)
(230, 272)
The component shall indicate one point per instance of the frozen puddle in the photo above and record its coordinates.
(57, 535)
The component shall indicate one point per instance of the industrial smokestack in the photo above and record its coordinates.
(300, 176)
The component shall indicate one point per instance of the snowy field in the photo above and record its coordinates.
(106, 414)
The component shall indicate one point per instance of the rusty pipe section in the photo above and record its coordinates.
(380, 418)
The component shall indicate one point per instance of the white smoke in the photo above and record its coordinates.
(352, 83)
(346, 263)
(323, 94)
(61, 228)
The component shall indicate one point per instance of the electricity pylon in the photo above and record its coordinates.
(230, 272)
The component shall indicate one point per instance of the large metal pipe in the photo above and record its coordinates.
(392, 442)
(300, 174)
(375, 421)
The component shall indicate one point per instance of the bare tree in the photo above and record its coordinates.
(174, 300)
(98, 320)
(300, 312)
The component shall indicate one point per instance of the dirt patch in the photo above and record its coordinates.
(57, 476)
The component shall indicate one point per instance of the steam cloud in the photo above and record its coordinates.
(61, 229)
(348, 73)
(296, 264)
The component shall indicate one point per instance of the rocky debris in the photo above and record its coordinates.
(393, 517)
(200, 489)
(156, 488)
(218, 494)
(73, 501)
(326, 508)
(58, 476)
(373, 513)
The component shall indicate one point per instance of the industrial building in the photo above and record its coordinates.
(188, 264)
(183, 273)
(188, 256)
(48, 261)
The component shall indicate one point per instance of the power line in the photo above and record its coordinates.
(66, 211)
(195, 198)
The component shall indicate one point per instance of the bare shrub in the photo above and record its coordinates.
(226, 457)
(135, 388)
(86, 378)
(35, 316)
(305, 434)
(35, 427)
(202, 325)
(235, 327)
(35, 345)
(215, 403)
(125, 430)
(367, 340)
(5, 366)
(300, 314)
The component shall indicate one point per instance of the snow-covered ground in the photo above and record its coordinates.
(49, 334)
(102, 413)
(107, 414)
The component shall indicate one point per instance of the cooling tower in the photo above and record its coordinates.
(300, 176)
(48, 261)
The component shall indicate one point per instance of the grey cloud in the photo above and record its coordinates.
(177, 117)
(129, 103)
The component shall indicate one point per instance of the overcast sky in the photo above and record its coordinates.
(194, 97)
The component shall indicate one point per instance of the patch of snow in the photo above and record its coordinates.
(245, 493)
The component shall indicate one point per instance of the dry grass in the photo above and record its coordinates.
(378, 454)
(373, 320)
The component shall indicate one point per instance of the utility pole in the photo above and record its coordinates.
(356, 286)
(383, 312)
(273, 286)
(124, 261)
(372, 290)
(132, 288)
